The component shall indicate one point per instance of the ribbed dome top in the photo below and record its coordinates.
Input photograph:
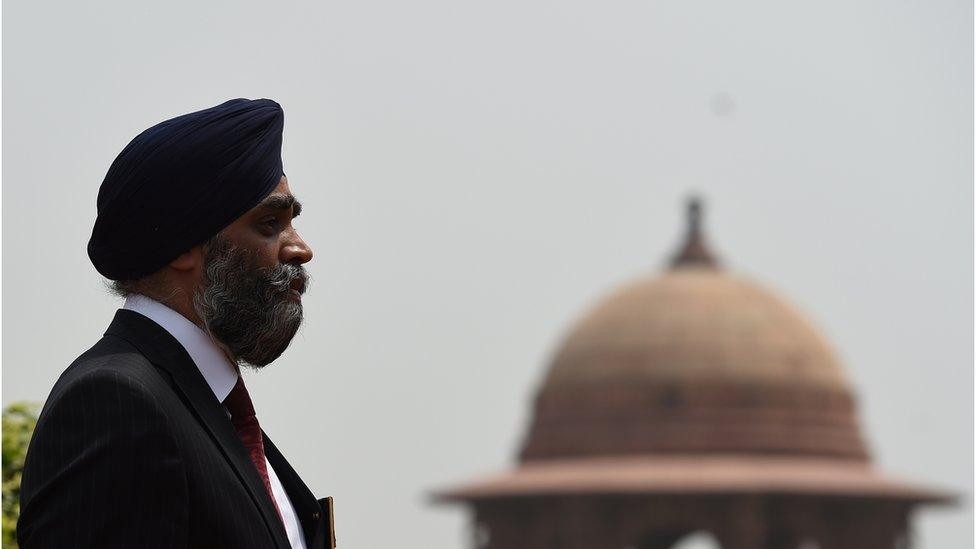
(695, 325)
(694, 361)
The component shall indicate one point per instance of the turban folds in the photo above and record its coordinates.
(183, 180)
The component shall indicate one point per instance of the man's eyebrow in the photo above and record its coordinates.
(282, 202)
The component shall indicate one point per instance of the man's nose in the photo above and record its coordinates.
(296, 250)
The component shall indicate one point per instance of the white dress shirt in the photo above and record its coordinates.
(221, 375)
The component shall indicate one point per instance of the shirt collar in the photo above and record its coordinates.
(217, 369)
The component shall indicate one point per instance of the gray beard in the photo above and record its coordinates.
(246, 308)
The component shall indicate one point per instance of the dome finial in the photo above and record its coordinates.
(694, 253)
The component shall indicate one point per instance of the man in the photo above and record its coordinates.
(149, 438)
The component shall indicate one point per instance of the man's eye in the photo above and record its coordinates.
(271, 223)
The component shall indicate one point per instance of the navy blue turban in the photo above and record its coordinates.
(183, 180)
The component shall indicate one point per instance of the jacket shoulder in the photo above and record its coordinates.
(111, 370)
(111, 360)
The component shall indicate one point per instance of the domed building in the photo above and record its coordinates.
(693, 401)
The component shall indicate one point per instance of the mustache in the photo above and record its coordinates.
(287, 276)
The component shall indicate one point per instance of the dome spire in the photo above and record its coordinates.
(693, 252)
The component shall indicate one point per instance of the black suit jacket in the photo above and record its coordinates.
(132, 449)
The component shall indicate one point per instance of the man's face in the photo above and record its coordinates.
(250, 296)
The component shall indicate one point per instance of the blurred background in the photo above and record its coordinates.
(477, 176)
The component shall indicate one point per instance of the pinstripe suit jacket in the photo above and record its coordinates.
(133, 450)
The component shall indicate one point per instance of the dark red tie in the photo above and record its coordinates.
(238, 403)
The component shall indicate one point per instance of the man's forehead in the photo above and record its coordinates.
(277, 198)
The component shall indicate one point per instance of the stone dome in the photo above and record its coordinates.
(695, 386)
(694, 361)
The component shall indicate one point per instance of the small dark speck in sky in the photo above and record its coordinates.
(722, 104)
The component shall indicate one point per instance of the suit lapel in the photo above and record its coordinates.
(163, 350)
(310, 516)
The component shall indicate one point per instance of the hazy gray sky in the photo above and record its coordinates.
(476, 175)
